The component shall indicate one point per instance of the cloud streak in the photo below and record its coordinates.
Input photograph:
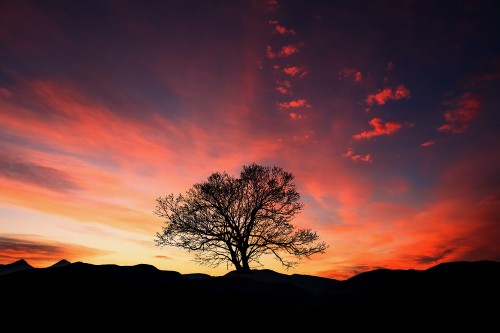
(351, 73)
(284, 51)
(299, 103)
(357, 157)
(295, 71)
(463, 111)
(22, 171)
(388, 94)
(379, 128)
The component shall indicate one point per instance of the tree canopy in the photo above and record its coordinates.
(237, 220)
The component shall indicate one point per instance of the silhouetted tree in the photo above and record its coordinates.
(237, 220)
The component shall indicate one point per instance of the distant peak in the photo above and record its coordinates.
(62, 262)
(21, 263)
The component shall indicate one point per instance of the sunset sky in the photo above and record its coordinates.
(386, 112)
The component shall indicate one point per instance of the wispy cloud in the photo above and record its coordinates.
(295, 116)
(285, 51)
(463, 111)
(358, 157)
(272, 6)
(379, 128)
(427, 143)
(163, 257)
(386, 94)
(32, 173)
(295, 71)
(283, 87)
(279, 29)
(299, 103)
(4, 92)
(350, 73)
(439, 256)
(284, 31)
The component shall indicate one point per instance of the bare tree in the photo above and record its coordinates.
(237, 220)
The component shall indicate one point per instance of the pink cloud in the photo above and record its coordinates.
(464, 110)
(358, 77)
(295, 71)
(5, 92)
(379, 128)
(351, 73)
(357, 157)
(294, 104)
(282, 90)
(269, 52)
(272, 6)
(288, 50)
(381, 97)
(283, 87)
(396, 186)
(285, 51)
(283, 31)
(295, 116)
(427, 143)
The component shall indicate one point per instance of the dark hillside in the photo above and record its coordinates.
(142, 294)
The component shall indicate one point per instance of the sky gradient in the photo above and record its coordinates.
(386, 112)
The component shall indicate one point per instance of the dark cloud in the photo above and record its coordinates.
(32, 173)
(23, 245)
(463, 111)
(435, 258)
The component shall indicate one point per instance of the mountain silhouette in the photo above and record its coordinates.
(61, 263)
(264, 299)
(16, 266)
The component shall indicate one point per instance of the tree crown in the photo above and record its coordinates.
(237, 220)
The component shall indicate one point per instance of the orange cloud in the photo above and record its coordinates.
(464, 110)
(163, 257)
(95, 160)
(379, 128)
(299, 103)
(356, 157)
(380, 98)
(295, 71)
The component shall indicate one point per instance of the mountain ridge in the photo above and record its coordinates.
(113, 292)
